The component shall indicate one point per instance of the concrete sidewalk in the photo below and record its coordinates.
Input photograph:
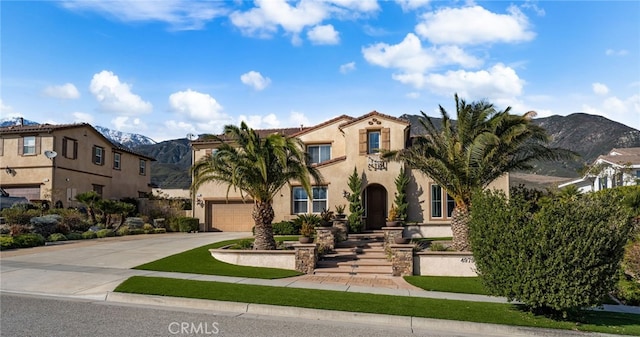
(93, 268)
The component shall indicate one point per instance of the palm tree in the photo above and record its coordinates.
(468, 154)
(257, 167)
(89, 199)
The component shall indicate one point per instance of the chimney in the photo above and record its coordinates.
(21, 121)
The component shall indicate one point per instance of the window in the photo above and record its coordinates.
(319, 153)
(116, 160)
(301, 200)
(438, 206)
(638, 174)
(143, 167)
(319, 199)
(603, 183)
(98, 155)
(29, 145)
(373, 142)
(69, 148)
(98, 189)
(436, 201)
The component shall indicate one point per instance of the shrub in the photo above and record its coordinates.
(18, 229)
(103, 233)
(159, 230)
(18, 216)
(122, 231)
(89, 235)
(28, 240)
(6, 242)
(437, 247)
(563, 257)
(148, 228)
(188, 224)
(243, 244)
(284, 228)
(628, 291)
(45, 225)
(136, 231)
(74, 236)
(72, 218)
(57, 237)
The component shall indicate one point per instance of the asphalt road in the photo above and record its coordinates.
(27, 315)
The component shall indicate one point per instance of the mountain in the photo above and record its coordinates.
(130, 140)
(4, 122)
(588, 135)
(173, 161)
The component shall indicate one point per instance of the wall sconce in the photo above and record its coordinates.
(10, 171)
(345, 194)
(199, 200)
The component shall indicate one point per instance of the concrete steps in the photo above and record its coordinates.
(361, 254)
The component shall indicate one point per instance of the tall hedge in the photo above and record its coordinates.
(555, 259)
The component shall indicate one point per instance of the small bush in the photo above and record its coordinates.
(148, 228)
(18, 229)
(18, 216)
(6, 242)
(72, 218)
(284, 228)
(45, 225)
(188, 224)
(122, 231)
(160, 230)
(243, 244)
(57, 237)
(29, 240)
(437, 247)
(103, 233)
(136, 231)
(74, 236)
(89, 235)
(628, 291)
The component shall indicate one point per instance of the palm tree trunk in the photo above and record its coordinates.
(263, 216)
(460, 228)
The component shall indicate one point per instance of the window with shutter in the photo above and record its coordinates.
(386, 139)
(362, 141)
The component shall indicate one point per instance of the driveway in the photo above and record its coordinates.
(91, 268)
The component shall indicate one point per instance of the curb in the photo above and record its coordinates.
(405, 322)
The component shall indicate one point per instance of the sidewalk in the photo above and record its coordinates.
(93, 268)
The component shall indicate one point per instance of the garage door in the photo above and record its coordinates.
(232, 217)
(29, 192)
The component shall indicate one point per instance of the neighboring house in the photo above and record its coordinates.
(336, 147)
(56, 162)
(620, 167)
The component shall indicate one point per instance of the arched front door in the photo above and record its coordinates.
(375, 206)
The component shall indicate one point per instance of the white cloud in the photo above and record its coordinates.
(298, 118)
(179, 14)
(269, 121)
(410, 5)
(269, 16)
(63, 91)
(600, 89)
(115, 96)
(626, 111)
(128, 124)
(82, 117)
(197, 106)
(255, 80)
(347, 67)
(325, 34)
(474, 25)
(498, 82)
(7, 111)
(413, 95)
(612, 52)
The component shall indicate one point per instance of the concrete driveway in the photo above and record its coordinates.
(91, 268)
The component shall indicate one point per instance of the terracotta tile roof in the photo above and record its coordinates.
(22, 129)
(323, 124)
(261, 133)
(374, 113)
(622, 156)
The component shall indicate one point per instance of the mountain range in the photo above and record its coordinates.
(588, 135)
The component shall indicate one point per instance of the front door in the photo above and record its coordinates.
(375, 206)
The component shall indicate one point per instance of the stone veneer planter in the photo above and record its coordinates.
(428, 263)
(283, 259)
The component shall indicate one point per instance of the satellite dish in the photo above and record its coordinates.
(191, 136)
(50, 154)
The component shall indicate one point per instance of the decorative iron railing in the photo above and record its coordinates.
(376, 164)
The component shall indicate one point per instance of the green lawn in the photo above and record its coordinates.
(200, 261)
(382, 304)
(450, 284)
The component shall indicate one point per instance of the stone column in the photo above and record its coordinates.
(341, 229)
(390, 233)
(401, 259)
(325, 239)
(306, 257)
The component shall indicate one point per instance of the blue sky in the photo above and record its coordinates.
(168, 68)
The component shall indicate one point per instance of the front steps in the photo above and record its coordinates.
(361, 254)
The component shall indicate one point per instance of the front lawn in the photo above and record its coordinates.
(450, 284)
(200, 261)
(496, 313)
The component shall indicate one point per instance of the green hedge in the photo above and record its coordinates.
(184, 224)
(28, 240)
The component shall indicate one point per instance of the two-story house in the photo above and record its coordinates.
(336, 147)
(56, 162)
(619, 167)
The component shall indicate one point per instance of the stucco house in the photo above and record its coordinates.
(619, 167)
(337, 146)
(56, 162)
